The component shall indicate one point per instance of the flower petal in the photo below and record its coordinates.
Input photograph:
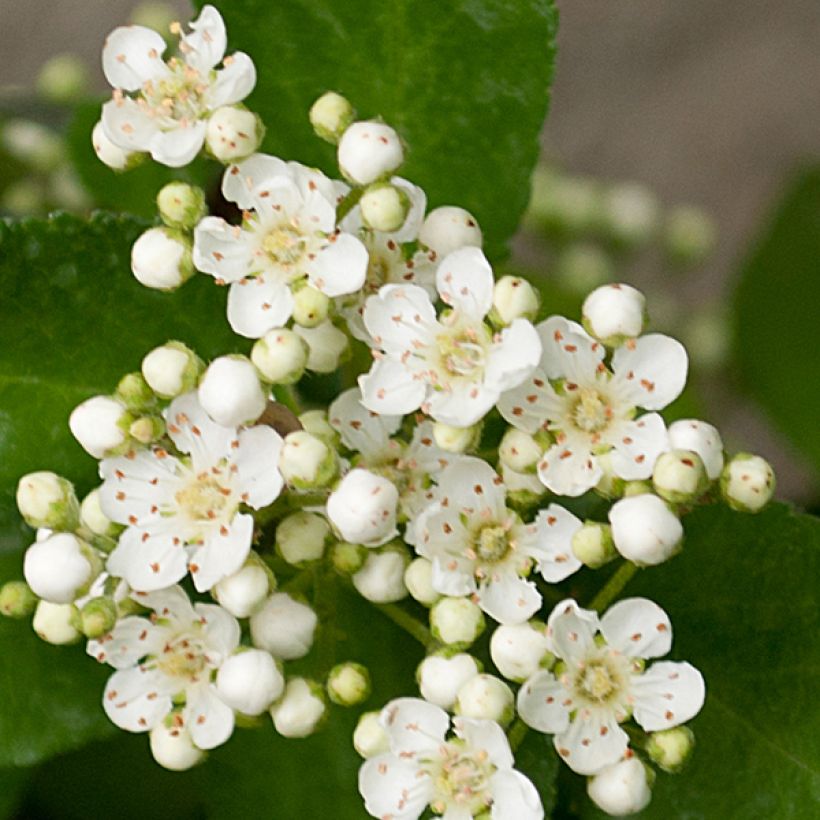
(568, 352)
(508, 598)
(222, 250)
(233, 82)
(593, 741)
(390, 389)
(258, 305)
(549, 541)
(242, 181)
(362, 429)
(462, 404)
(325, 345)
(135, 699)
(204, 48)
(465, 281)
(413, 725)
(131, 56)
(127, 643)
(544, 704)
(486, 736)
(222, 632)
(638, 628)
(171, 604)
(127, 125)
(471, 486)
(527, 406)
(193, 431)
(400, 318)
(339, 265)
(667, 694)
(257, 476)
(569, 468)
(223, 552)
(638, 444)
(651, 370)
(571, 630)
(208, 719)
(395, 788)
(514, 357)
(148, 561)
(178, 146)
(514, 797)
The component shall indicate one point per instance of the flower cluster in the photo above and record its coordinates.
(223, 505)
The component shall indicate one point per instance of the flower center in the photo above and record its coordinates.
(182, 658)
(591, 412)
(463, 351)
(461, 779)
(378, 273)
(177, 96)
(492, 543)
(603, 679)
(204, 499)
(285, 245)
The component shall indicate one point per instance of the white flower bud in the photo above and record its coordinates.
(621, 789)
(384, 207)
(520, 650)
(306, 462)
(381, 579)
(327, 346)
(519, 451)
(99, 425)
(671, 748)
(645, 530)
(368, 151)
(48, 500)
(613, 313)
(98, 617)
(363, 508)
(448, 228)
(456, 621)
(244, 592)
(230, 391)
(94, 519)
(592, 544)
(347, 558)
(456, 439)
(631, 213)
(134, 392)
(486, 697)
(315, 422)
(679, 476)
(418, 578)
(330, 116)
(300, 711)
(171, 369)
(301, 537)
(233, 133)
(17, 600)
(284, 627)
(109, 154)
(310, 306)
(747, 483)
(514, 298)
(280, 356)
(348, 684)
(56, 623)
(700, 438)
(173, 748)
(161, 259)
(181, 205)
(60, 568)
(249, 681)
(369, 738)
(440, 677)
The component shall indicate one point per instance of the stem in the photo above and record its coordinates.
(348, 204)
(299, 583)
(407, 622)
(285, 394)
(518, 731)
(610, 591)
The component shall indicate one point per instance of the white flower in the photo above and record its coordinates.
(288, 236)
(107, 152)
(602, 682)
(60, 568)
(469, 774)
(183, 512)
(590, 409)
(622, 788)
(613, 313)
(230, 391)
(249, 681)
(368, 151)
(284, 627)
(453, 367)
(480, 547)
(169, 658)
(448, 228)
(363, 508)
(99, 425)
(171, 101)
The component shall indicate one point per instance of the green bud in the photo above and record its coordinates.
(456, 621)
(593, 544)
(301, 538)
(48, 500)
(348, 684)
(671, 748)
(17, 600)
(456, 439)
(747, 483)
(172, 369)
(280, 356)
(306, 462)
(315, 422)
(310, 306)
(181, 205)
(348, 558)
(330, 116)
(680, 476)
(147, 429)
(133, 391)
(384, 207)
(98, 617)
(636, 488)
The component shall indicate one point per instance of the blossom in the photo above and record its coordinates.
(590, 408)
(168, 659)
(182, 511)
(602, 682)
(460, 777)
(480, 547)
(171, 101)
(288, 239)
(452, 366)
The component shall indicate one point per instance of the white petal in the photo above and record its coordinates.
(413, 725)
(509, 598)
(549, 541)
(339, 266)
(487, 736)
(465, 281)
(258, 479)
(452, 574)
(318, 213)
(571, 630)
(241, 180)
(400, 318)
(638, 628)
(205, 47)
(233, 83)
(593, 741)
(667, 694)
(326, 343)
(135, 699)
(315, 187)
(127, 125)
(193, 431)
(223, 552)
(542, 703)
(178, 146)
(172, 604)
(394, 788)
(258, 305)
(148, 562)
(527, 406)
(225, 251)
(651, 370)
(569, 468)
(472, 486)
(637, 446)
(409, 231)
(361, 429)
(514, 797)
(127, 643)
(568, 351)
(514, 357)
(131, 55)
(425, 454)
(222, 632)
(461, 405)
(208, 719)
(390, 389)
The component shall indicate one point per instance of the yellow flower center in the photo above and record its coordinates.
(285, 245)
(591, 412)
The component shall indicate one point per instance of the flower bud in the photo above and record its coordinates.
(645, 530)
(441, 677)
(17, 600)
(134, 392)
(249, 681)
(94, 519)
(181, 205)
(679, 476)
(233, 133)
(369, 151)
(418, 578)
(306, 462)
(524, 490)
(300, 711)
(613, 313)
(347, 558)
(60, 568)
(280, 356)
(700, 438)
(384, 207)
(63, 79)
(513, 298)
(631, 214)
(747, 483)
(147, 429)
(520, 650)
(173, 748)
(622, 788)
(327, 346)
(284, 627)
(310, 306)
(363, 508)
(671, 748)
(610, 484)
(348, 684)
(230, 392)
(315, 422)
(369, 738)
(301, 537)
(55, 623)
(99, 424)
(456, 439)
(592, 544)
(456, 621)
(172, 369)
(448, 228)
(116, 158)
(519, 451)
(486, 697)
(161, 259)
(98, 617)
(48, 500)
(330, 116)
(381, 579)
(689, 236)
(244, 592)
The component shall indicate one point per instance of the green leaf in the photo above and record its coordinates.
(465, 83)
(777, 304)
(12, 784)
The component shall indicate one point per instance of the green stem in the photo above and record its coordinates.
(518, 731)
(407, 622)
(286, 394)
(300, 583)
(613, 587)
(348, 204)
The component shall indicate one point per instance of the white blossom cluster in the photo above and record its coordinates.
(444, 477)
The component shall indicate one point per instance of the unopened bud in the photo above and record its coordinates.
(524, 490)
(622, 788)
(700, 438)
(513, 298)
(456, 439)
(48, 500)
(381, 579)
(363, 508)
(306, 462)
(181, 205)
(230, 391)
(679, 476)
(614, 313)
(369, 151)
(645, 530)
(133, 391)
(93, 518)
(520, 650)
(233, 133)
(280, 356)
(348, 684)
(147, 429)
(249, 681)
(593, 546)
(116, 158)
(384, 207)
(284, 627)
(173, 748)
(301, 538)
(747, 483)
(244, 592)
(316, 423)
(519, 451)
(98, 617)
(448, 228)
(369, 738)
(99, 424)
(327, 346)
(441, 676)
(486, 697)
(456, 621)
(348, 558)
(300, 711)
(418, 578)
(55, 623)
(161, 259)
(330, 116)
(17, 600)
(671, 748)
(171, 369)
(60, 568)
(310, 306)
